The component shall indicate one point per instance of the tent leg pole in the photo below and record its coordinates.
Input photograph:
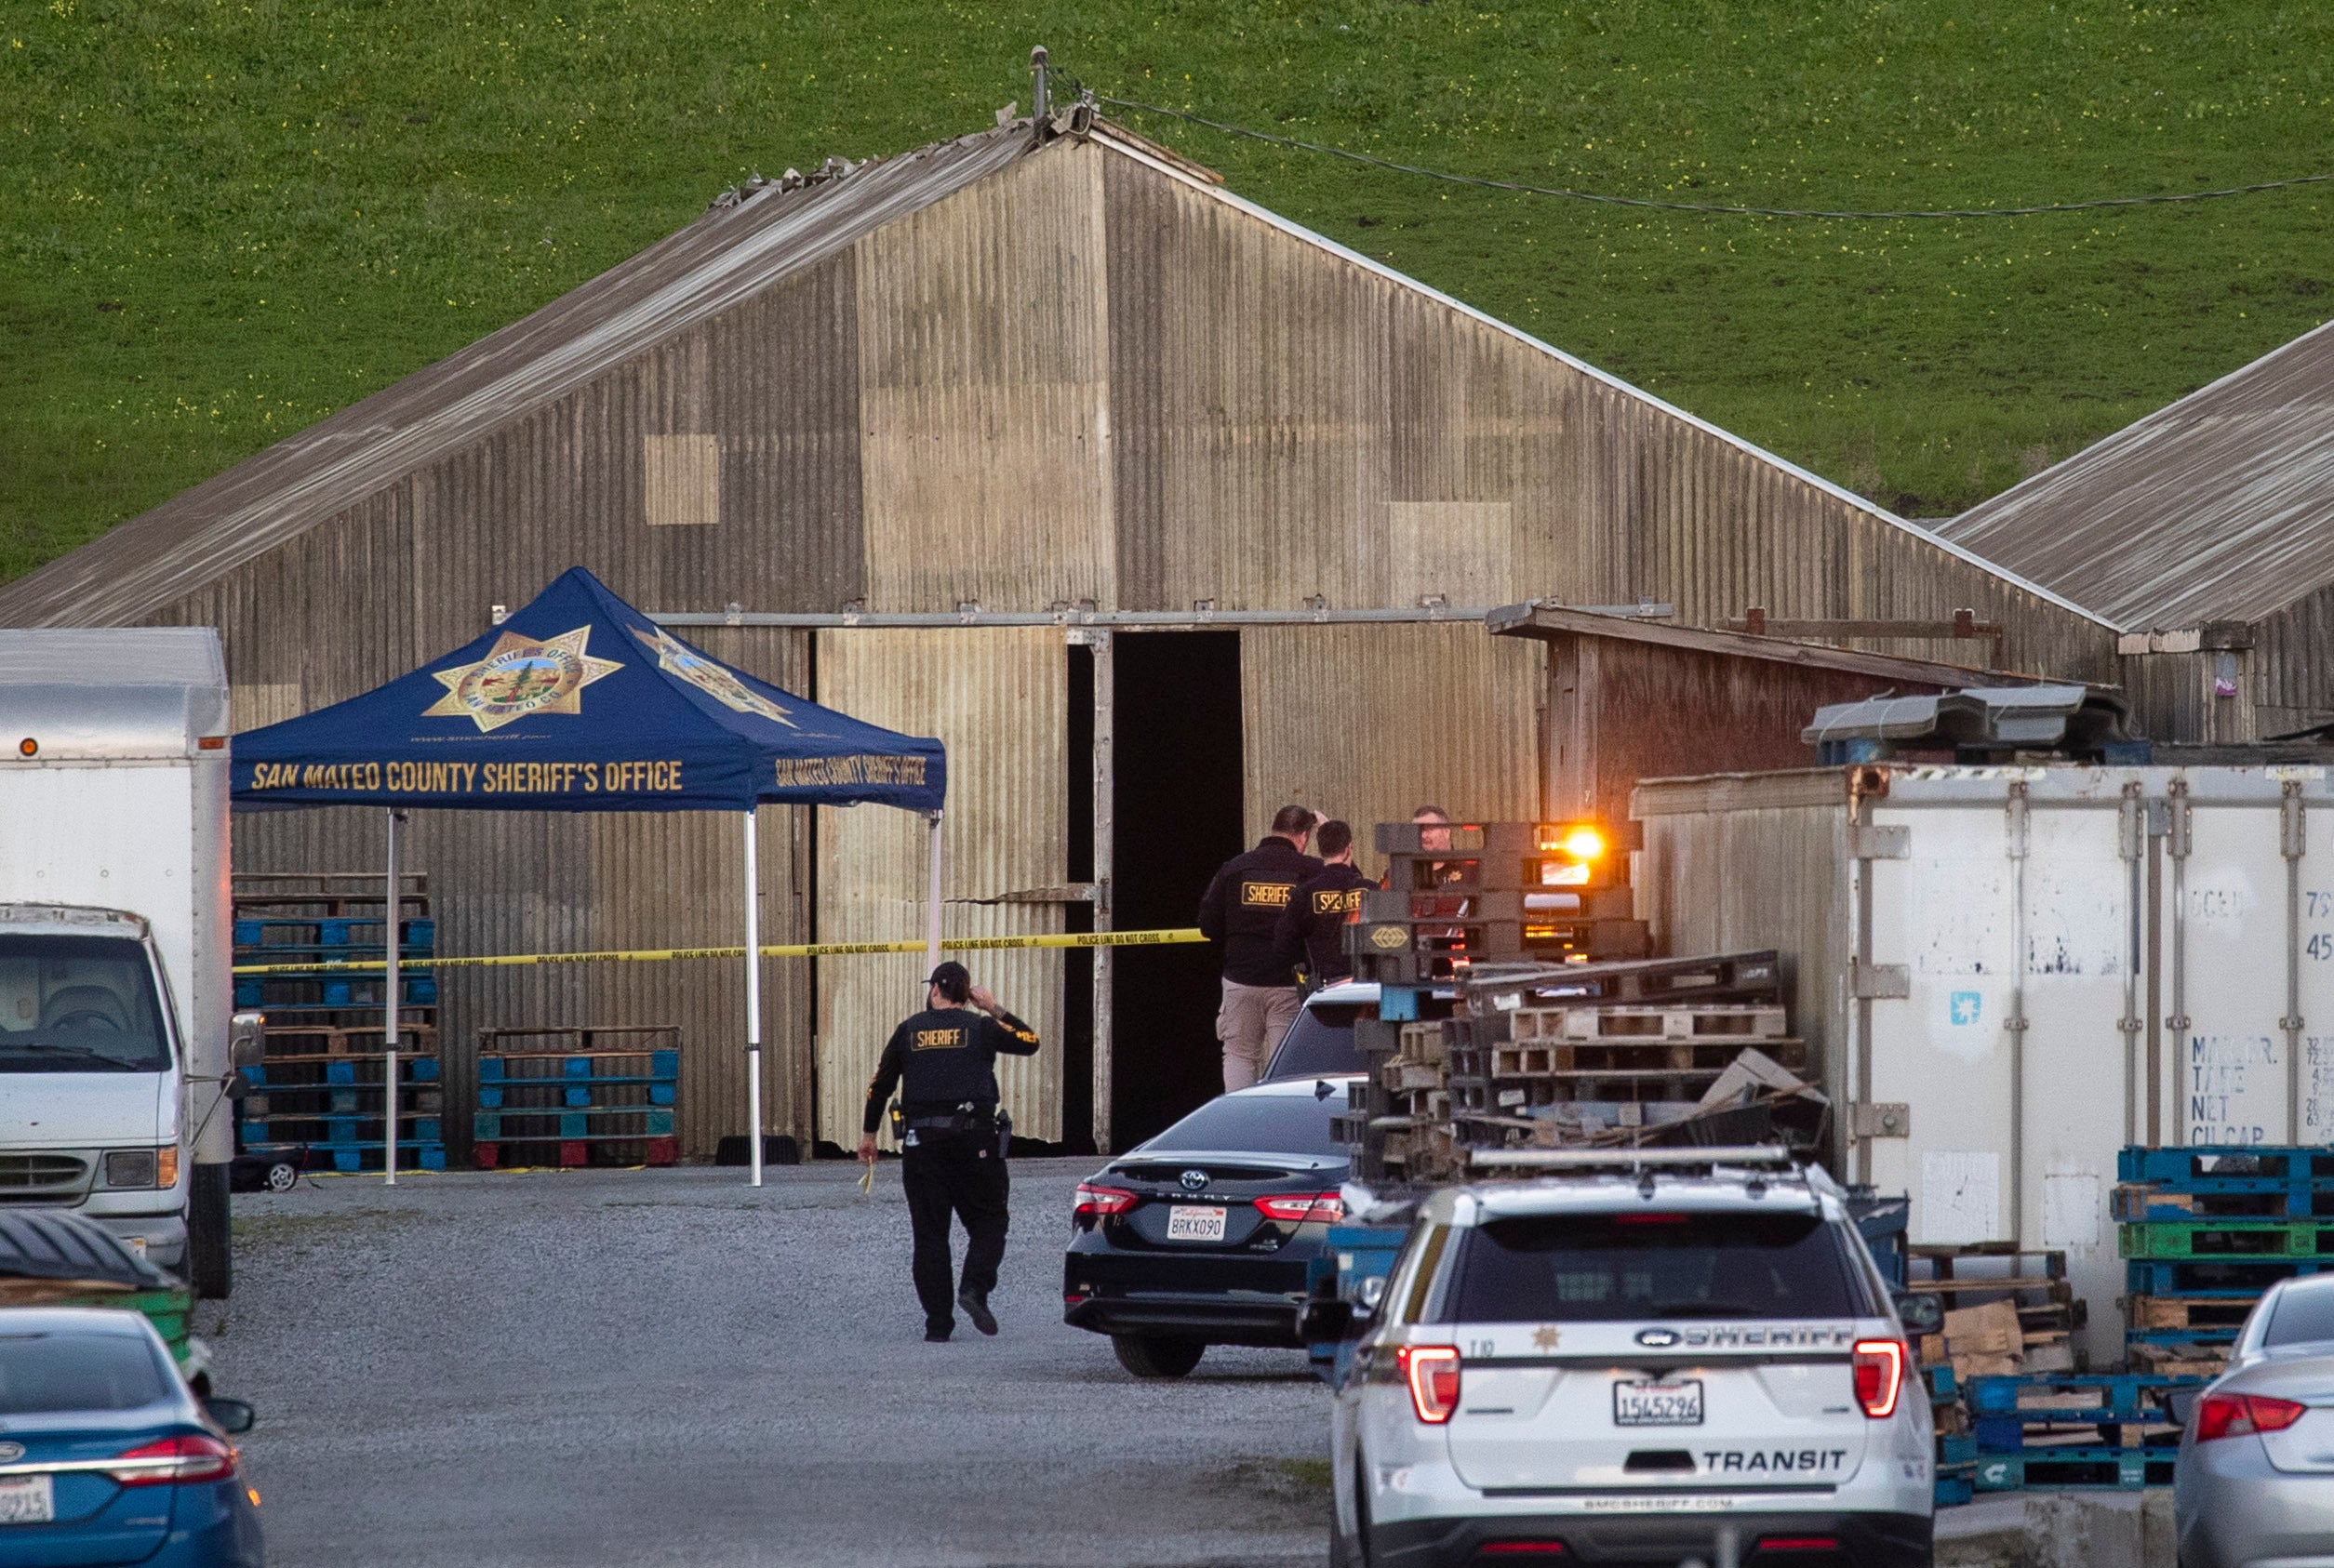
(932, 902)
(753, 998)
(389, 1034)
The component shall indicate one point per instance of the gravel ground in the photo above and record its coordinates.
(667, 1367)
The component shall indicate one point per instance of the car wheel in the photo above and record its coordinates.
(282, 1176)
(1148, 1357)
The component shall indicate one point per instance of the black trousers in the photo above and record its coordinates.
(959, 1174)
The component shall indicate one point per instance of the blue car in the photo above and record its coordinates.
(106, 1457)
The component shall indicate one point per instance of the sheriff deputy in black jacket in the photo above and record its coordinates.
(952, 1156)
(1242, 909)
(1311, 930)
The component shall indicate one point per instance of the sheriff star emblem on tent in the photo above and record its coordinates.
(676, 657)
(521, 675)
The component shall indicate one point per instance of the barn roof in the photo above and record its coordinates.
(730, 253)
(2216, 507)
(734, 251)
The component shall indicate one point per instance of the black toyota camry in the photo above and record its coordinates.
(1204, 1235)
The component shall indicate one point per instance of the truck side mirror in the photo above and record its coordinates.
(1921, 1312)
(247, 1038)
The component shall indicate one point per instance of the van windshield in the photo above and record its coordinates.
(79, 1004)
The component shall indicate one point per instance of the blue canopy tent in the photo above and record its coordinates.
(579, 702)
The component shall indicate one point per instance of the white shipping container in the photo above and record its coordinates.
(2009, 973)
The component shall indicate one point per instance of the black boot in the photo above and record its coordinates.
(976, 1306)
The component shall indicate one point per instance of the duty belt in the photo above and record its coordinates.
(977, 1121)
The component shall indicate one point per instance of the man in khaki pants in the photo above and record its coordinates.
(1242, 909)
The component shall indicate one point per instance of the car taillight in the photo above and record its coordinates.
(1432, 1372)
(191, 1456)
(1100, 1201)
(1879, 1375)
(1520, 1548)
(1296, 1208)
(2219, 1416)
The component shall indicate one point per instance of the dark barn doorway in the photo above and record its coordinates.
(1175, 808)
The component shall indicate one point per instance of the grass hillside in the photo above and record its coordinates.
(222, 220)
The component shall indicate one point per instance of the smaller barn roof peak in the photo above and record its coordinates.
(2215, 508)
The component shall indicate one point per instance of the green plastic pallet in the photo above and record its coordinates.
(2243, 1241)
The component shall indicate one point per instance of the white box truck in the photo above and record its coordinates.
(2011, 972)
(117, 1035)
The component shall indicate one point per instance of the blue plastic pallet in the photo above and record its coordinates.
(1954, 1490)
(2122, 1397)
(2208, 1167)
(664, 1066)
(2232, 1279)
(2120, 1468)
(1941, 1384)
(413, 1154)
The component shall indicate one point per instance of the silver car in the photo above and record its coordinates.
(2254, 1483)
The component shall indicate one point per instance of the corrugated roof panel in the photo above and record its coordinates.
(2214, 509)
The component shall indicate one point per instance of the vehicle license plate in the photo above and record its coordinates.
(1186, 1223)
(28, 1500)
(1657, 1405)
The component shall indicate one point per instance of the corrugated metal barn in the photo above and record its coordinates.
(1156, 508)
(2204, 532)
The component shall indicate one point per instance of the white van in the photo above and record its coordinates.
(116, 937)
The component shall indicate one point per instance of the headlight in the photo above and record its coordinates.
(142, 1167)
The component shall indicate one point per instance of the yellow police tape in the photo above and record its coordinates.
(795, 950)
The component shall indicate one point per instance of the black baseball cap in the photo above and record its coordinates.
(953, 978)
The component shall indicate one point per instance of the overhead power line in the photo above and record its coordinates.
(1708, 208)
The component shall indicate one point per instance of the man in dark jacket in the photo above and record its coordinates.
(952, 1156)
(1311, 930)
(1242, 909)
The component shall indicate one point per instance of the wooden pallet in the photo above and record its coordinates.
(1741, 1024)
(342, 1040)
(1622, 1057)
(2199, 1312)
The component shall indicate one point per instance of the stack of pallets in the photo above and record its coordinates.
(1648, 1050)
(577, 1096)
(2203, 1231)
(1957, 1445)
(2052, 1430)
(318, 1091)
(2006, 1309)
(1495, 893)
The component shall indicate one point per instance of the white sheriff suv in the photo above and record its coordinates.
(1687, 1360)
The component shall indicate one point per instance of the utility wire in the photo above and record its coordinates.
(1703, 208)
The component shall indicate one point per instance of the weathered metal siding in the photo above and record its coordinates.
(1293, 420)
(984, 348)
(999, 699)
(1249, 383)
(2293, 676)
(2175, 696)
(1368, 723)
(1734, 863)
